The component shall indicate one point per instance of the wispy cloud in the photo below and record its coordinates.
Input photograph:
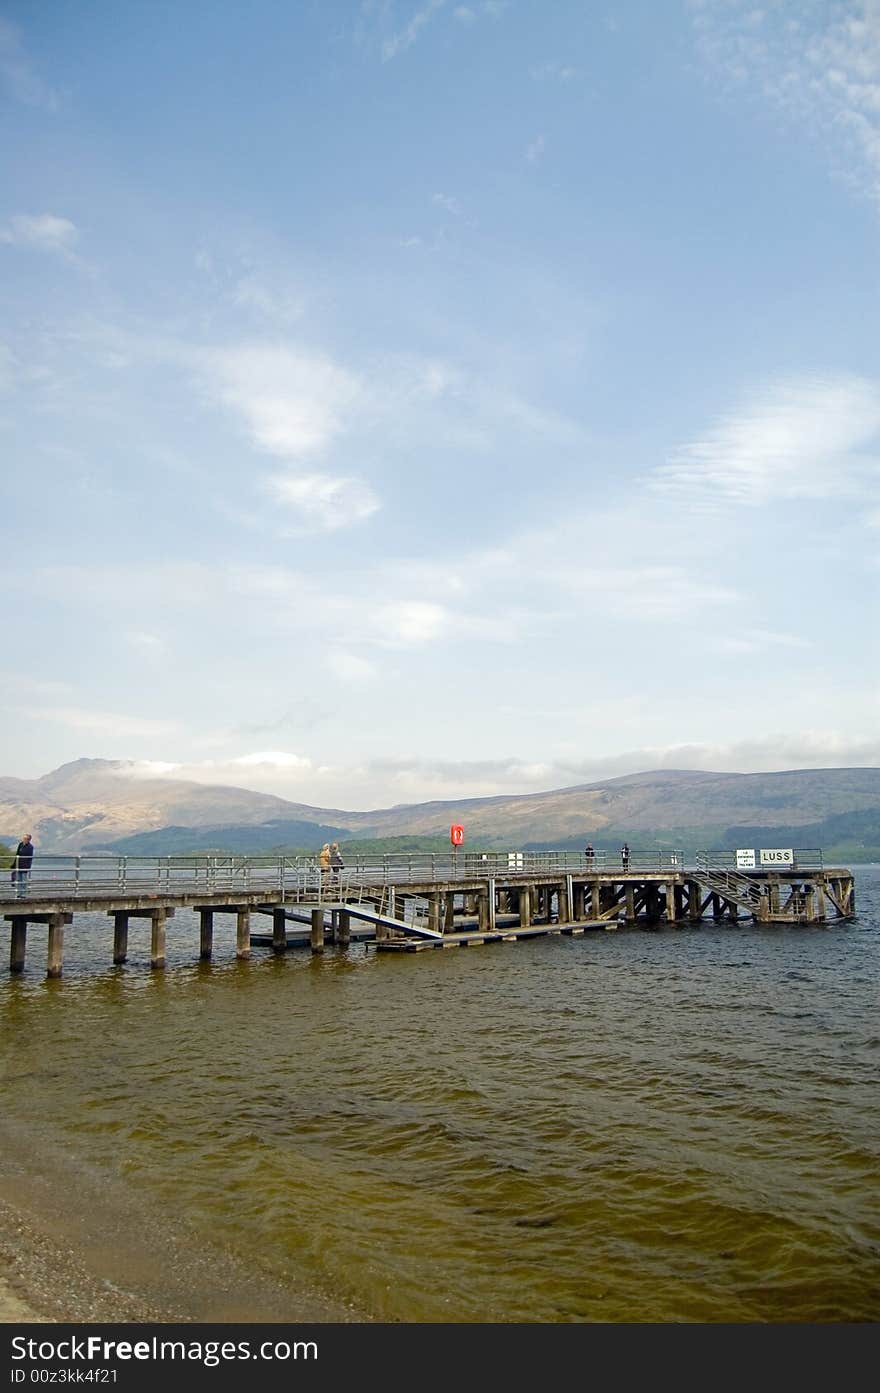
(293, 402)
(553, 72)
(818, 63)
(45, 232)
(535, 149)
(383, 782)
(810, 438)
(111, 724)
(406, 37)
(328, 500)
(18, 73)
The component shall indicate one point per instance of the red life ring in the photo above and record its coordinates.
(456, 834)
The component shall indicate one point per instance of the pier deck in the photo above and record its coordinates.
(409, 903)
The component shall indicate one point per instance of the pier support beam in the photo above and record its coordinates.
(525, 906)
(120, 937)
(242, 933)
(157, 937)
(449, 913)
(344, 929)
(55, 949)
(206, 934)
(317, 930)
(279, 929)
(18, 944)
(630, 895)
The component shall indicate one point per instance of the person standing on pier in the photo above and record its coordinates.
(21, 865)
(336, 862)
(324, 863)
(624, 856)
(590, 855)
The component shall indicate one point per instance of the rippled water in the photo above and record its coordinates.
(679, 1125)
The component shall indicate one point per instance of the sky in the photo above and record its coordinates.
(406, 399)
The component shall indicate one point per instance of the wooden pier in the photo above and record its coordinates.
(407, 903)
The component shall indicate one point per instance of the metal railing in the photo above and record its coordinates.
(92, 875)
(803, 859)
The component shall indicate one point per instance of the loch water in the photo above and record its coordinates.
(652, 1126)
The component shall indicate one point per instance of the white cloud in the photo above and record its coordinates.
(18, 73)
(275, 759)
(554, 71)
(411, 622)
(407, 36)
(111, 724)
(321, 499)
(147, 644)
(44, 232)
(535, 149)
(819, 64)
(294, 403)
(350, 668)
(813, 438)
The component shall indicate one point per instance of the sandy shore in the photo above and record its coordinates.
(79, 1246)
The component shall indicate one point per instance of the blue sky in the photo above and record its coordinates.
(408, 399)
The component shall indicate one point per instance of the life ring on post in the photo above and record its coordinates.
(456, 834)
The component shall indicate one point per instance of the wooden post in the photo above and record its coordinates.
(774, 896)
(157, 937)
(317, 930)
(565, 897)
(344, 928)
(695, 896)
(483, 912)
(242, 933)
(525, 905)
(55, 950)
(18, 943)
(206, 934)
(491, 902)
(434, 911)
(820, 901)
(449, 913)
(595, 901)
(279, 929)
(671, 911)
(334, 925)
(120, 936)
(579, 907)
(630, 903)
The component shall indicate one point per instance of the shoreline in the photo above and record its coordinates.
(77, 1246)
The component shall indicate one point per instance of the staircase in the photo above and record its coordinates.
(732, 885)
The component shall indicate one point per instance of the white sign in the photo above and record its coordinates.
(515, 860)
(777, 857)
(745, 860)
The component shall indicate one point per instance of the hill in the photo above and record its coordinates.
(108, 805)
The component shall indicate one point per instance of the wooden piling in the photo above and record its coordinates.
(317, 936)
(344, 928)
(120, 937)
(55, 947)
(242, 932)
(157, 937)
(279, 929)
(18, 944)
(206, 934)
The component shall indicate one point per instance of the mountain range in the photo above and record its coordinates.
(108, 805)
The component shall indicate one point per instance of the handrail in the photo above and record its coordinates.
(88, 875)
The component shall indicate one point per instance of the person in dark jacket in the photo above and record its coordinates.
(21, 865)
(336, 862)
(624, 856)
